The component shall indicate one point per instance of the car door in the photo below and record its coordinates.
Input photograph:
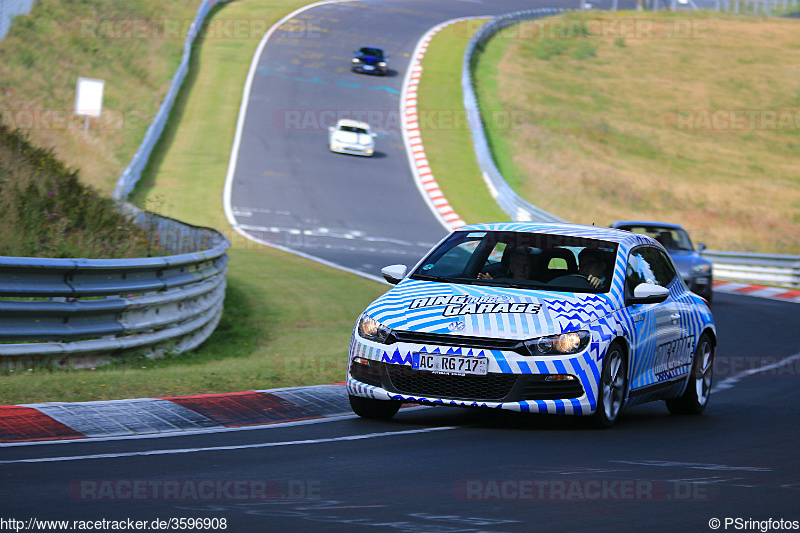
(657, 348)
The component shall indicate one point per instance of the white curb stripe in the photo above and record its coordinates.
(418, 161)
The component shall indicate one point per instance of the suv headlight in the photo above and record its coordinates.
(561, 344)
(371, 329)
(356, 60)
(702, 268)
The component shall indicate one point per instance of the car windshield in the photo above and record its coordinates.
(375, 52)
(670, 238)
(353, 129)
(520, 259)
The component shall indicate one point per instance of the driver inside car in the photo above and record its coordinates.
(592, 265)
(519, 265)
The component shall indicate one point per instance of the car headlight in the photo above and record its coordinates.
(334, 146)
(382, 64)
(702, 268)
(561, 344)
(371, 329)
(356, 60)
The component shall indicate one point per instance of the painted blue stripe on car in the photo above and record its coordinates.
(505, 368)
(584, 379)
(576, 407)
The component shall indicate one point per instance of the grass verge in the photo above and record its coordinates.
(690, 118)
(287, 320)
(444, 128)
(135, 46)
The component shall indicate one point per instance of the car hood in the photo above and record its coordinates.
(686, 259)
(349, 137)
(369, 60)
(489, 312)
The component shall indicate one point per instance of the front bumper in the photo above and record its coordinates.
(701, 285)
(352, 149)
(369, 69)
(513, 382)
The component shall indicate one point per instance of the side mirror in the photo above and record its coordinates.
(648, 293)
(701, 246)
(373, 134)
(331, 129)
(394, 273)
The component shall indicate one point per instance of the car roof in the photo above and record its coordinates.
(368, 49)
(351, 122)
(619, 223)
(572, 230)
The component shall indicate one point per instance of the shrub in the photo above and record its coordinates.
(45, 211)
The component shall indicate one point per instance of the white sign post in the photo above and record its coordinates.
(89, 99)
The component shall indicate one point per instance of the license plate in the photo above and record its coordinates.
(369, 67)
(452, 364)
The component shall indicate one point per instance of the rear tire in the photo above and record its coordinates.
(374, 409)
(612, 387)
(698, 390)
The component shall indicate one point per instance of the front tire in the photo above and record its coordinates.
(698, 390)
(374, 409)
(612, 387)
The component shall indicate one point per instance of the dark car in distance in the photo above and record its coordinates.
(369, 60)
(696, 270)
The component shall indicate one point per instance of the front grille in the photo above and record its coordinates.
(406, 380)
(491, 387)
(457, 340)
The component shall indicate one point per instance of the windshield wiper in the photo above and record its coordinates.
(445, 279)
(426, 277)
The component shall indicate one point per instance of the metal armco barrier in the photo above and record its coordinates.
(509, 201)
(782, 270)
(84, 312)
(130, 176)
(10, 9)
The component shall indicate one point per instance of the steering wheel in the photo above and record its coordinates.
(577, 281)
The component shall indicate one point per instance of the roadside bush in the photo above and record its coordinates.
(45, 211)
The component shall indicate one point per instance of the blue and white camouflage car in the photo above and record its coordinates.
(538, 318)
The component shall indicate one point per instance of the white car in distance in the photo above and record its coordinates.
(351, 137)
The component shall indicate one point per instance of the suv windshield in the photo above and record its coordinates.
(670, 238)
(525, 260)
(375, 52)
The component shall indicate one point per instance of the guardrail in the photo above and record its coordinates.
(85, 312)
(509, 201)
(782, 270)
(779, 270)
(130, 176)
(10, 9)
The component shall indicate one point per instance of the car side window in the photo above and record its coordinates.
(648, 265)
